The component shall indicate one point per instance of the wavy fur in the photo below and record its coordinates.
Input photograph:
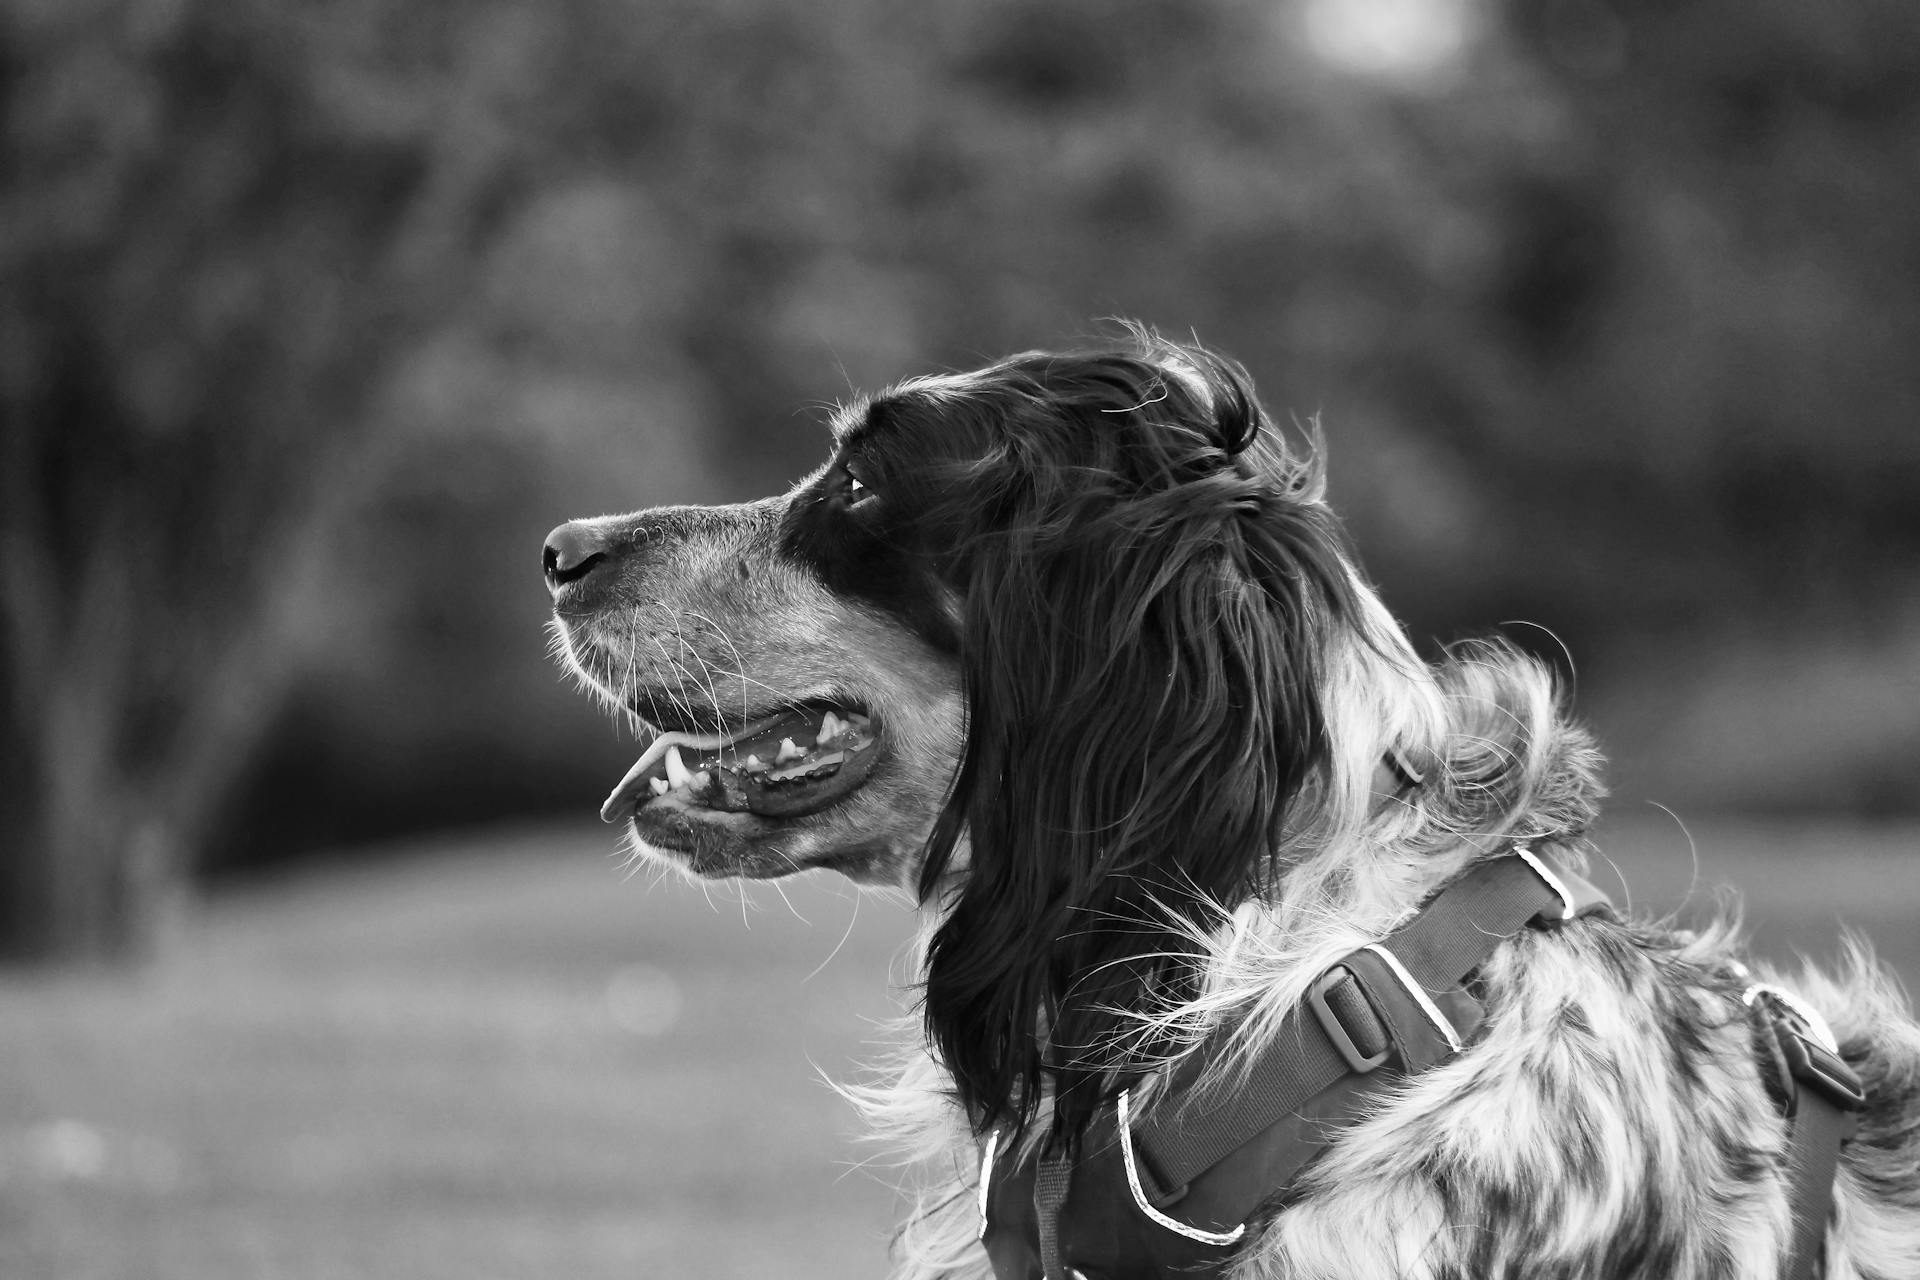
(1136, 695)
(1144, 617)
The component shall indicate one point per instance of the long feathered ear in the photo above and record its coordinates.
(1146, 612)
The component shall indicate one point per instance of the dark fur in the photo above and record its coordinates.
(1142, 611)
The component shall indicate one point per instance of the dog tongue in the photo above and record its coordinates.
(788, 764)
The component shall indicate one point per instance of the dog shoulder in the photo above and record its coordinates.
(1610, 1120)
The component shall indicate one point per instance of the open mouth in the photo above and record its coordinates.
(795, 762)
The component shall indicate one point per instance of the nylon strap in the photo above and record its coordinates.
(1819, 1130)
(1317, 1084)
(1819, 1095)
(1051, 1182)
(1450, 938)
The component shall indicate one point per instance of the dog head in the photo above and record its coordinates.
(1059, 642)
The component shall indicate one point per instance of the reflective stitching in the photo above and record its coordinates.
(1140, 1197)
(986, 1179)
(1554, 882)
(1419, 994)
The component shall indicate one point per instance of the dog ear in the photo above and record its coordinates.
(1142, 644)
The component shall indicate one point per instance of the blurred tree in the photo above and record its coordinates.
(1739, 374)
(222, 223)
(1607, 305)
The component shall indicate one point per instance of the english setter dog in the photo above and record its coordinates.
(1073, 648)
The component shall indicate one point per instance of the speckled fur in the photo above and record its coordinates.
(1609, 1123)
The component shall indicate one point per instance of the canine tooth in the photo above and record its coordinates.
(618, 804)
(677, 772)
(659, 786)
(754, 764)
(830, 727)
(787, 752)
(657, 749)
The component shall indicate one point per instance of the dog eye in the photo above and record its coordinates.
(858, 490)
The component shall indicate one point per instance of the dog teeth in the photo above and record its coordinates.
(831, 727)
(823, 767)
(724, 784)
(677, 773)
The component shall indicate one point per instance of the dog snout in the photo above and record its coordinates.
(574, 551)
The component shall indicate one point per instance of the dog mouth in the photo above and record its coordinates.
(797, 761)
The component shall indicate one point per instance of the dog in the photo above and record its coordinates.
(1073, 648)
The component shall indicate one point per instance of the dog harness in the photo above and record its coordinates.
(1173, 1193)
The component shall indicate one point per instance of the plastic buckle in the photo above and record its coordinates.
(1807, 1043)
(1360, 1063)
(1804, 1013)
(1825, 1073)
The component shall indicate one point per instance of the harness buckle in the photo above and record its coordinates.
(1823, 1072)
(1808, 1046)
(1330, 1021)
(1805, 1014)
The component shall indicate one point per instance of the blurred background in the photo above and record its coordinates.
(315, 317)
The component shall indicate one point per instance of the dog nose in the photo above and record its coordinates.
(573, 551)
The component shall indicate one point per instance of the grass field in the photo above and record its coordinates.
(494, 1057)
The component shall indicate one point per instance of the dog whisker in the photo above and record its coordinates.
(853, 918)
(791, 909)
(697, 675)
(739, 664)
